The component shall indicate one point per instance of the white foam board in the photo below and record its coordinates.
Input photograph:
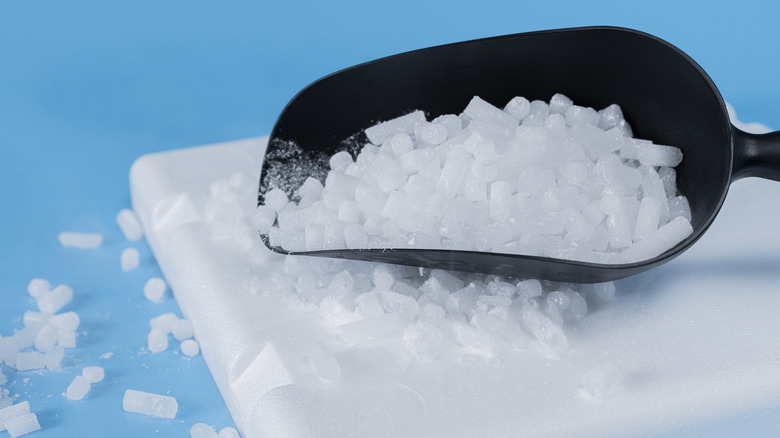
(697, 338)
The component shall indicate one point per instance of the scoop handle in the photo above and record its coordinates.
(756, 155)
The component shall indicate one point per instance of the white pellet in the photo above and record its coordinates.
(29, 360)
(276, 199)
(519, 107)
(679, 207)
(32, 318)
(13, 411)
(93, 374)
(646, 219)
(129, 259)
(154, 405)
(53, 357)
(202, 430)
(182, 329)
(603, 381)
(190, 347)
(38, 287)
(26, 337)
(659, 241)
(377, 134)
(78, 388)
(339, 162)
(66, 321)
(559, 104)
(80, 240)
(55, 300)
(129, 224)
(66, 338)
(164, 322)
(154, 290)
(22, 425)
(46, 338)
(659, 155)
(478, 108)
(431, 133)
(157, 340)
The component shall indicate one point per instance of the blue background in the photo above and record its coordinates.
(88, 86)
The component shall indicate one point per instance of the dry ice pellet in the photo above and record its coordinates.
(546, 179)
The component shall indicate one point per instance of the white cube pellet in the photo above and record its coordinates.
(66, 338)
(478, 108)
(182, 329)
(29, 360)
(154, 290)
(53, 357)
(659, 241)
(646, 219)
(659, 155)
(22, 425)
(157, 340)
(549, 334)
(129, 259)
(32, 318)
(13, 411)
(603, 381)
(26, 337)
(264, 218)
(669, 177)
(54, 301)
(80, 240)
(129, 224)
(93, 374)
(78, 388)
(578, 115)
(38, 287)
(519, 107)
(66, 321)
(679, 207)
(202, 430)
(379, 133)
(164, 322)
(154, 405)
(340, 161)
(46, 338)
(190, 347)
(559, 104)
(431, 133)
(275, 199)
(610, 117)
(401, 143)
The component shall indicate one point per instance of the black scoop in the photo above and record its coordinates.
(664, 94)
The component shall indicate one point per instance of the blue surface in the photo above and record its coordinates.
(88, 86)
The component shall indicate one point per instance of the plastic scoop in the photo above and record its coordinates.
(664, 95)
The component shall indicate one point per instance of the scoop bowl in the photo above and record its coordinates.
(664, 95)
